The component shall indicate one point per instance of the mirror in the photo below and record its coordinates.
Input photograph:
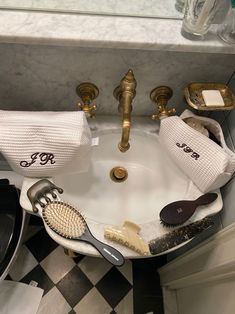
(141, 8)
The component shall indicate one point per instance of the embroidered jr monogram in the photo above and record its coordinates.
(187, 149)
(44, 158)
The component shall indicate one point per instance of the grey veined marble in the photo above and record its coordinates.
(150, 8)
(45, 78)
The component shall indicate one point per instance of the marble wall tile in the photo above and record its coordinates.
(228, 191)
(150, 8)
(45, 77)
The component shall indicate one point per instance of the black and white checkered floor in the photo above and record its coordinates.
(86, 284)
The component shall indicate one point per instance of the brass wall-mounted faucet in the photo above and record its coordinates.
(160, 96)
(87, 92)
(125, 94)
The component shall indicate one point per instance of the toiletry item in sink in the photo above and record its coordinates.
(179, 236)
(65, 220)
(128, 235)
(40, 190)
(177, 213)
(68, 222)
(213, 98)
(197, 125)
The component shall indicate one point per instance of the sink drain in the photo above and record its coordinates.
(118, 174)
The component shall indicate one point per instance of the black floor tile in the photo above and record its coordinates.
(78, 258)
(147, 282)
(8, 277)
(113, 287)
(35, 221)
(40, 276)
(153, 262)
(74, 286)
(143, 305)
(72, 312)
(41, 245)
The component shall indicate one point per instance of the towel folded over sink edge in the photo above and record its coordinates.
(45, 143)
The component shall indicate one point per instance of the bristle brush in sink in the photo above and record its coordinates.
(179, 236)
(177, 213)
(68, 222)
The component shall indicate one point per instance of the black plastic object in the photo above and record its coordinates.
(177, 213)
(57, 225)
(40, 190)
(11, 216)
(108, 252)
(179, 236)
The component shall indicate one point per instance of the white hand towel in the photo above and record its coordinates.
(206, 163)
(45, 143)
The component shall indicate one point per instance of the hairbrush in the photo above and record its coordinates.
(68, 222)
(177, 213)
(128, 235)
(179, 236)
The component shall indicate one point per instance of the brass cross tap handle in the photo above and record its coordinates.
(87, 92)
(160, 96)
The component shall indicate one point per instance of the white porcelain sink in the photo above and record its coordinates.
(153, 181)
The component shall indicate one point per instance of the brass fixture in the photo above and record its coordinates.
(193, 96)
(70, 253)
(118, 174)
(160, 96)
(87, 92)
(125, 94)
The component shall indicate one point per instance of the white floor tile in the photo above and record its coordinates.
(93, 303)
(94, 268)
(126, 305)
(57, 264)
(126, 270)
(24, 263)
(53, 302)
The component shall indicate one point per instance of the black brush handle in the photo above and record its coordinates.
(108, 252)
(206, 199)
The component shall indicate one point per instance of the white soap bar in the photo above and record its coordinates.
(213, 98)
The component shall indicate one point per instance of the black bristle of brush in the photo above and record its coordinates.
(177, 213)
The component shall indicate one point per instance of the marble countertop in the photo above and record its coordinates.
(102, 32)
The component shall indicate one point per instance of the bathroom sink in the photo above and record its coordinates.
(153, 181)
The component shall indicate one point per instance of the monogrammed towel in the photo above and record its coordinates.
(206, 163)
(45, 143)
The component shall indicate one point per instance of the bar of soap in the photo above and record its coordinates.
(213, 98)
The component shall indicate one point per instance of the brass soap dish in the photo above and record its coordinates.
(193, 96)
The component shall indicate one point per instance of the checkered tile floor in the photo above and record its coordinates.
(86, 284)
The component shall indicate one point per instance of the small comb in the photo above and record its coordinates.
(128, 236)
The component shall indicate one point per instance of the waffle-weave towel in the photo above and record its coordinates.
(45, 143)
(206, 163)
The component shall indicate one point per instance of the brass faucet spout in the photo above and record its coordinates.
(125, 94)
